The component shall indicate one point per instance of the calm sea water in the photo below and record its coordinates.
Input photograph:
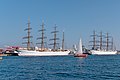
(60, 68)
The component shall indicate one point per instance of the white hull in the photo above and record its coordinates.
(99, 52)
(37, 53)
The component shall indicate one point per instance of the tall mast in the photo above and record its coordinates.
(55, 38)
(63, 42)
(28, 35)
(107, 43)
(101, 40)
(112, 44)
(42, 37)
(28, 45)
(94, 40)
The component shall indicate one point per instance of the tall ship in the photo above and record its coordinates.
(42, 50)
(102, 45)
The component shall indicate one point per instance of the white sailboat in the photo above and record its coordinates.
(79, 53)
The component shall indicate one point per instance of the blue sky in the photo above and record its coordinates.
(77, 18)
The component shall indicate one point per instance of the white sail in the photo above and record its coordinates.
(80, 47)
